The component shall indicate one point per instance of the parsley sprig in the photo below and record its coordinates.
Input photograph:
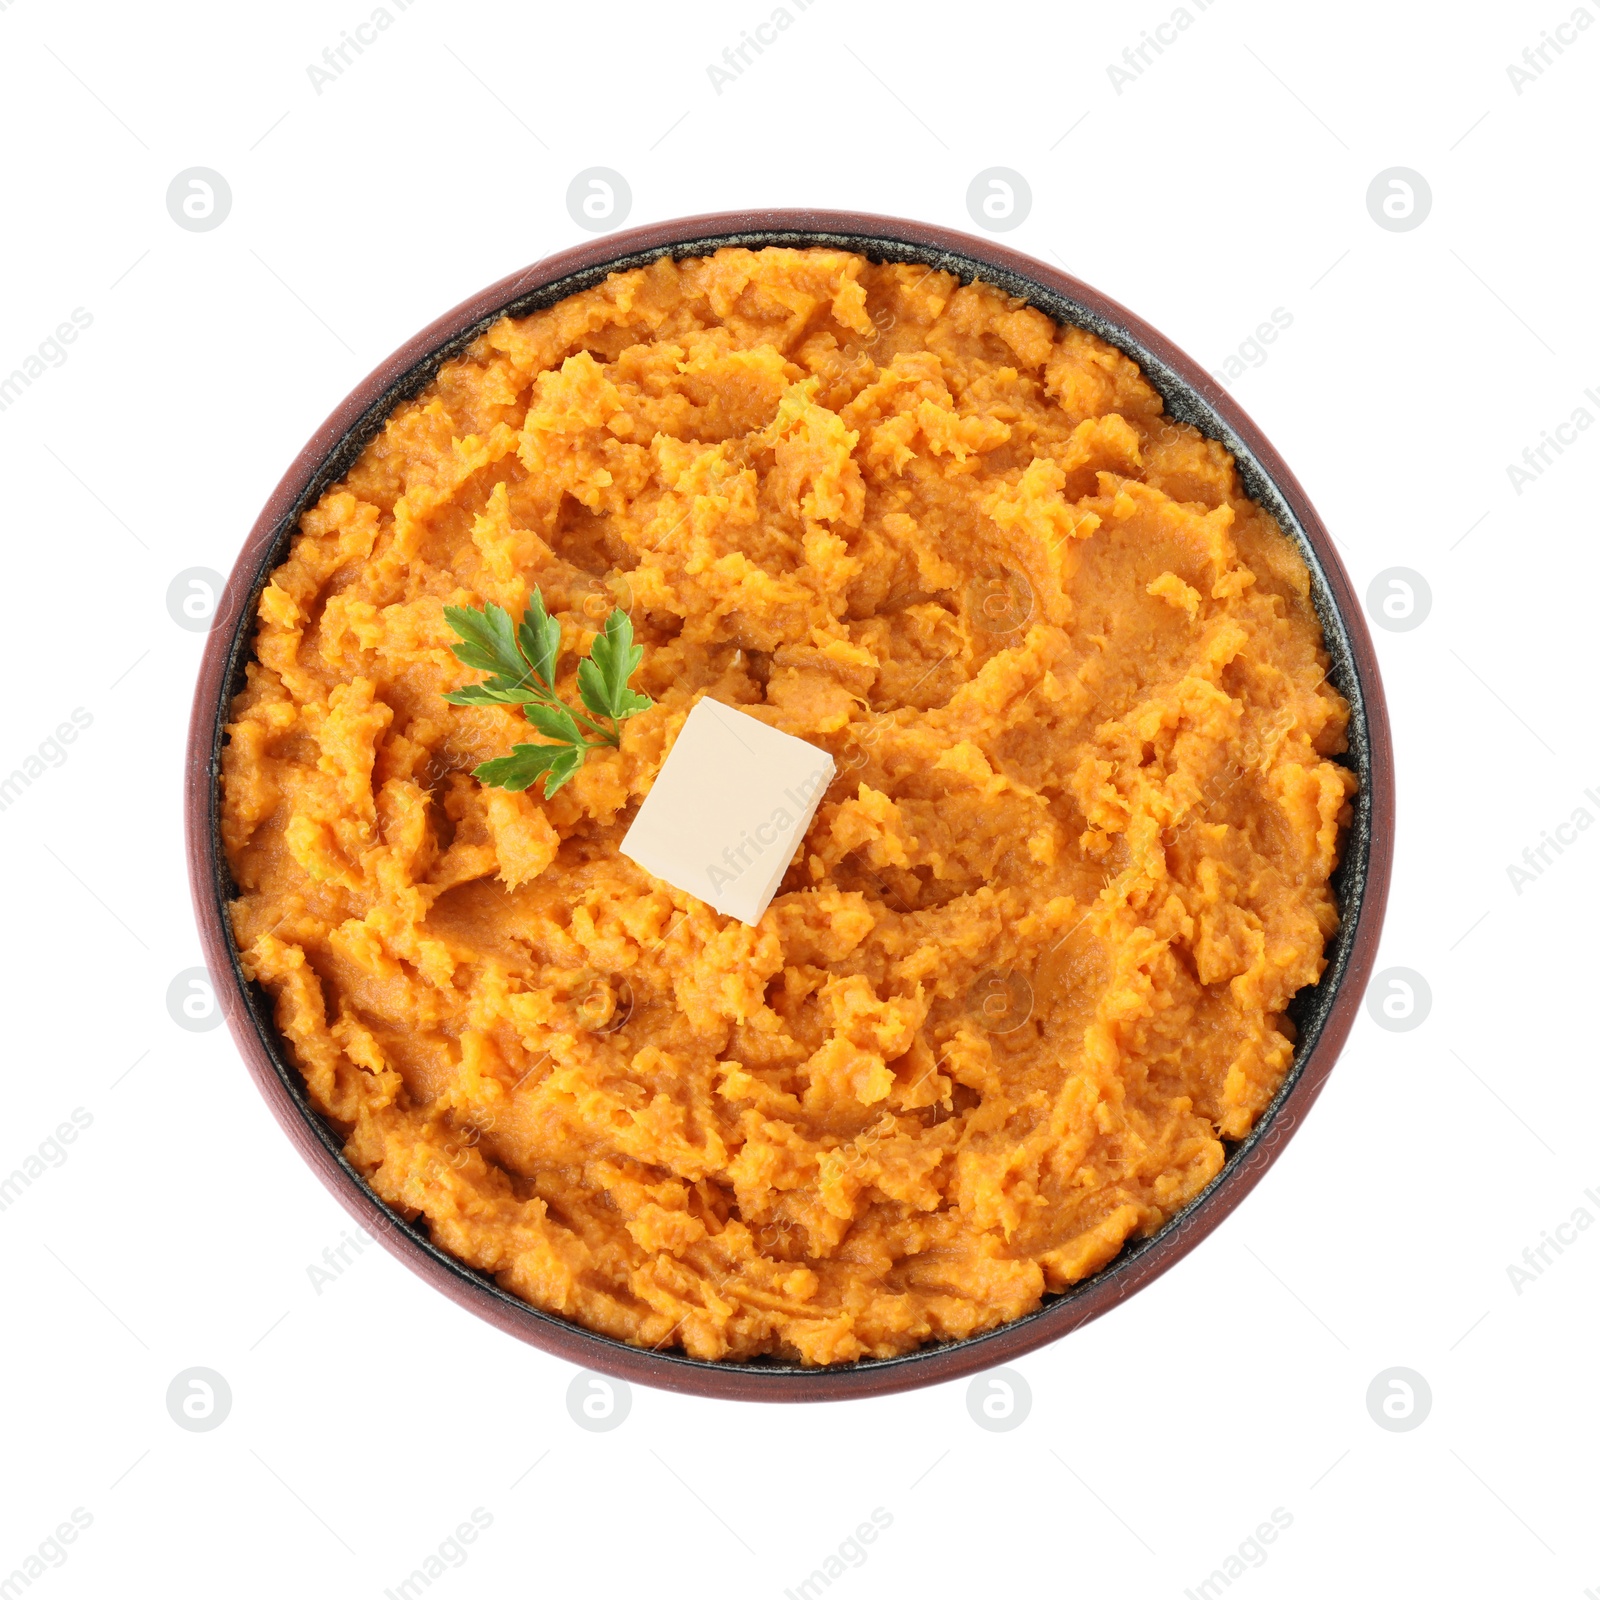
(520, 659)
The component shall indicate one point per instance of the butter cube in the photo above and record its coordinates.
(729, 807)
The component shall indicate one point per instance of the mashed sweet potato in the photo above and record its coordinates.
(1028, 972)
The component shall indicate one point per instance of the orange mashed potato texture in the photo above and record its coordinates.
(1028, 971)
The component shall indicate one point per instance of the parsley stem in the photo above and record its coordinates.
(612, 738)
(547, 696)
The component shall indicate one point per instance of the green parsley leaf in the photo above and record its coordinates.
(603, 678)
(527, 763)
(489, 643)
(554, 721)
(540, 639)
(488, 694)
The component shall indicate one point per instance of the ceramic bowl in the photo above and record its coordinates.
(1323, 1015)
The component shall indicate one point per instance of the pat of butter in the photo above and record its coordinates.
(731, 803)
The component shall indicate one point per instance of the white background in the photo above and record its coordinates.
(1228, 180)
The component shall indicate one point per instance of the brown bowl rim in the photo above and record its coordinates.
(1187, 387)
